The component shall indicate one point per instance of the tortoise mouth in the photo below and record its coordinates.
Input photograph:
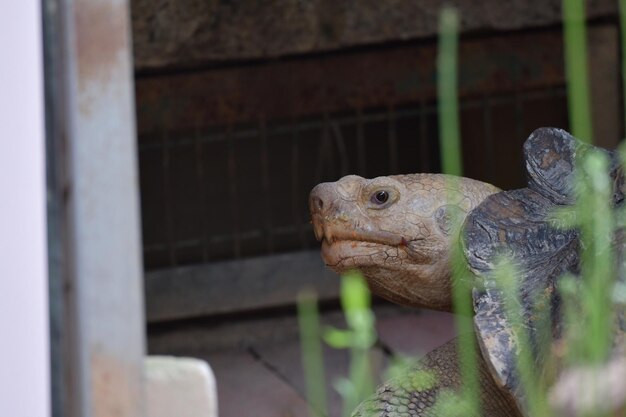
(391, 273)
(333, 231)
(342, 255)
(347, 246)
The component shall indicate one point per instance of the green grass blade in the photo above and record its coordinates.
(575, 40)
(356, 303)
(312, 357)
(594, 196)
(451, 163)
(468, 350)
(449, 137)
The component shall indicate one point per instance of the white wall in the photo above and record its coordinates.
(24, 345)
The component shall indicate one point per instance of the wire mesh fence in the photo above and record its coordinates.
(237, 191)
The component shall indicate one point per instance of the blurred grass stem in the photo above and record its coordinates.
(576, 69)
(447, 93)
(312, 357)
(451, 163)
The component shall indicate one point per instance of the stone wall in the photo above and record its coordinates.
(191, 33)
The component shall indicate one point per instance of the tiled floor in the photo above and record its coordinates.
(257, 360)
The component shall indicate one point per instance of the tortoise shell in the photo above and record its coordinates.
(515, 224)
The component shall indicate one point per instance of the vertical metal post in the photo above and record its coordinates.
(360, 141)
(202, 189)
(425, 162)
(392, 140)
(91, 121)
(295, 184)
(489, 144)
(265, 183)
(604, 77)
(166, 164)
(232, 190)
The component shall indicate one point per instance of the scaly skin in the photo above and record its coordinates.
(407, 395)
(401, 246)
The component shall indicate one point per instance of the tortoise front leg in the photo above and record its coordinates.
(407, 396)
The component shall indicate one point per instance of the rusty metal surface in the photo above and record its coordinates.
(104, 318)
(296, 88)
(176, 33)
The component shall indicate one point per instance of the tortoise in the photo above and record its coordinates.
(397, 232)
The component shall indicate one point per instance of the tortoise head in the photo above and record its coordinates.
(395, 230)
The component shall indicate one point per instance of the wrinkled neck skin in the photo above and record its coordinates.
(397, 231)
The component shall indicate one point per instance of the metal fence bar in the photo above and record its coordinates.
(486, 110)
(232, 188)
(167, 197)
(104, 324)
(343, 121)
(325, 151)
(360, 141)
(265, 180)
(423, 137)
(202, 195)
(295, 185)
(519, 114)
(392, 139)
(344, 158)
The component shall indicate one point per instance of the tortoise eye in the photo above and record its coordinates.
(380, 197)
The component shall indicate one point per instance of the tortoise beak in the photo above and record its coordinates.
(318, 228)
(319, 204)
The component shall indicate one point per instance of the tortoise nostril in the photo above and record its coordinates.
(321, 198)
(318, 203)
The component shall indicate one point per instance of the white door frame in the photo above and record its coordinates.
(24, 344)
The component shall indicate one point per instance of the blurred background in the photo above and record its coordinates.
(242, 107)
